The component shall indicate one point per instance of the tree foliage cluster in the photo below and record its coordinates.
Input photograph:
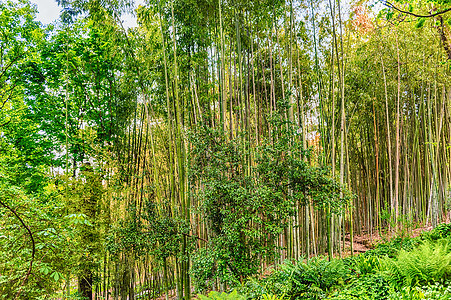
(248, 207)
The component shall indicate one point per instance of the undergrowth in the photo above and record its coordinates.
(401, 269)
(429, 262)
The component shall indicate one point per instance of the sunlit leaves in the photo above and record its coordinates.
(420, 22)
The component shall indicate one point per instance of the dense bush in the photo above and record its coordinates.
(310, 279)
(366, 264)
(441, 231)
(427, 263)
(391, 248)
(431, 292)
(370, 287)
(248, 210)
(255, 288)
(409, 268)
(223, 296)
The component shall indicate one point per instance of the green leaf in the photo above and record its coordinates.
(389, 15)
(420, 22)
(45, 269)
(56, 276)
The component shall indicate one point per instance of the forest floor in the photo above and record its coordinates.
(367, 241)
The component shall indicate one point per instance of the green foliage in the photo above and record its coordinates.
(36, 240)
(392, 248)
(211, 264)
(420, 22)
(431, 292)
(368, 287)
(233, 199)
(311, 279)
(66, 97)
(368, 276)
(367, 264)
(65, 215)
(441, 231)
(397, 273)
(151, 233)
(248, 206)
(272, 297)
(52, 240)
(24, 157)
(427, 263)
(255, 288)
(222, 296)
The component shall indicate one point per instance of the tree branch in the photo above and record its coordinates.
(388, 4)
(6, 123)
(32, 242)
(194, 236)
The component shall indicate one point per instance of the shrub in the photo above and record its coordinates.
(370, 287)
(427, 263)
(362, 264)
(431, 292)
(272, 297)
(223, 296)
(441, 231)
(248, 210)
(253, 288)
(312, 279)
(208, 265)
(392, 247)
(366, 264)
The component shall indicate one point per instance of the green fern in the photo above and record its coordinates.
(223, 296)
(427, 263)
(366, 264)
(310, 279)
(272, 297)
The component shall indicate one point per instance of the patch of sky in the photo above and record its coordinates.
(48, 12)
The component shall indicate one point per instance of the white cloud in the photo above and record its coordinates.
(48, 10)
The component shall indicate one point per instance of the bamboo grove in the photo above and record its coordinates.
(232, 135)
